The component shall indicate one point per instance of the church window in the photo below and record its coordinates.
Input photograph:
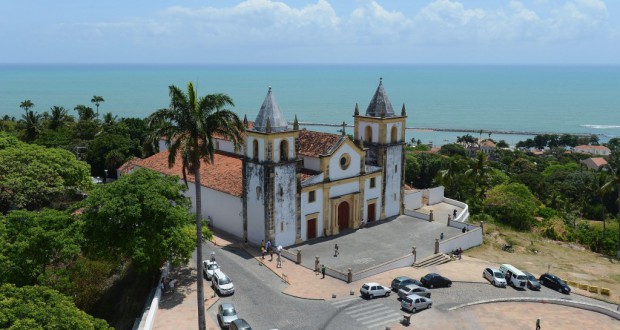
(281, 191)
(368, 134)
(311, 196)
(255, 149)
(284, 150)
(345, 160)
(373, 182)
(394, 133)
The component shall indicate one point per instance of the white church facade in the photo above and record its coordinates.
(289, 185)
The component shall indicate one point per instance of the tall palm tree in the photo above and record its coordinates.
(189, 125)
(479, 173)
(26, 105)
(32, 121)
(614, 182)
(97, 100)
(84, 112)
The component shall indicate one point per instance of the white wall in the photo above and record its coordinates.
(255, 204)
(413, 200)
(228, 146)
(464, 241)
(393, 172)
(261, 148)
(435, 195)
(285, 204)
(311, 208)
(362, 131)
(372, 193)
(336, 172)
(226, 211)
(343, 189)
(312, 163)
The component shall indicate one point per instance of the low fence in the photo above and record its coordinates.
(405, 261)
(464, 241)
(417, 214)
(151, 310)
(434, 195)
(462, 216)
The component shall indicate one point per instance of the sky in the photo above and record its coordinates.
(562, 32)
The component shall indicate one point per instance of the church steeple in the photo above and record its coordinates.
(357, 110)
(403, 112)
(245, 121)
(296, 124)
(270, 114)
(380, 105)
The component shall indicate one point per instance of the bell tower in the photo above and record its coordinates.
(382, 134)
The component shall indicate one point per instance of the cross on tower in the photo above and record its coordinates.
(344, 125)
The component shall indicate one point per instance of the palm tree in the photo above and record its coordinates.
(58, 117)
(97, 100)
(84, 112)
(614, 182)
(26, 105)
(32, 120)
(479, 172)
(189, 125)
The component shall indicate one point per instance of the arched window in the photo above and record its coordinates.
(394, 134)
(284, 150)
(368, 133)
(255, 149)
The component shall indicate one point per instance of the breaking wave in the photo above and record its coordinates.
(601, 126)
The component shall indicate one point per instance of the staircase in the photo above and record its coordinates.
(434, 260)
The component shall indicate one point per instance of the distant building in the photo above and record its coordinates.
(487, 146)
(595, 163)
(289, 185)
(593, 150)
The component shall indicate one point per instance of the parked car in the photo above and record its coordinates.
(222, 283)
(239, 324)
(208, 267)
(372, 290)
(226, 313)
(414, 289)
(553, 282)
(434, 280)
(413, 303)
(401, 281)
(532, 282)
(495, 277)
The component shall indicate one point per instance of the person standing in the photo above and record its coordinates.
(270, 254)
(454, 213)
(323, 270)
(441, 237)
(279, 260)
(212, 256)
(538, 323)
(336, 252)
(268, 245)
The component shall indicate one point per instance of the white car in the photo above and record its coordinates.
(222, 283)
(413, 303)
(495, 276)
(413, 289)
(372, 290)
(209, 267)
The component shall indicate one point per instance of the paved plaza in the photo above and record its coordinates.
(376, 244)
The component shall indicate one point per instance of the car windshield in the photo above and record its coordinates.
(531, 277)
(521, 277)
(229, 312)
(499, 274)
(224, 280)
(213, 266)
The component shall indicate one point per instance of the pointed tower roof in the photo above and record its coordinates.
(380, 105)
(270, 113)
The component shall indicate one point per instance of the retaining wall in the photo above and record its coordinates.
(464, 241)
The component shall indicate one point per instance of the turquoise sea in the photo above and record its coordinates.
(522, 98)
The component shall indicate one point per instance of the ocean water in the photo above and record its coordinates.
(519, 98)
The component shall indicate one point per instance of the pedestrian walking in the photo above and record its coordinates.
(454, 213)
(538, 323)
(212, 256)
(270, 254)
(336, 252)
(279, 260)
(441, 237)
(323, 270)
(316, 266)
(463, 230)
(262, 252)
(280, 250)
(268, 245)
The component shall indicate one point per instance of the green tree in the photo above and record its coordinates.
(32, 176)
(479, 173)
(614, 183)
(38, 247)
(143, 216)
(101, 146)
(452, 177)
(32, 124)
(84, 113)
(190, 123)
(97, 100)
(38, 307)
(453, 149)
(26, 105)
(467, 140)
(502, 144)
(513, 204)
(59, 116)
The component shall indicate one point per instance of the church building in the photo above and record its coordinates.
(290, 185)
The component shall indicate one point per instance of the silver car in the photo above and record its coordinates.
(495, 276)
(209, 267)
(413, 289)
(413, 303)
(226, 313)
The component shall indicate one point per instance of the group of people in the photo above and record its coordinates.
(267, 248)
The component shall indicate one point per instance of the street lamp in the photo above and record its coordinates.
(105, 178)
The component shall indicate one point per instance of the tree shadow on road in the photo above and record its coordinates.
(184, 279)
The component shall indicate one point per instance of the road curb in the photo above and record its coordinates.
(563, 302)
(299, 297)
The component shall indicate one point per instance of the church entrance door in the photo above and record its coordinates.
(343, 215)
(311, 228)
(371, 212)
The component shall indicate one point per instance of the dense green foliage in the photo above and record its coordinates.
(38, 307)
(512, 204)
(143, 216)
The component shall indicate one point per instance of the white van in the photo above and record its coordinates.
(514, 276)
